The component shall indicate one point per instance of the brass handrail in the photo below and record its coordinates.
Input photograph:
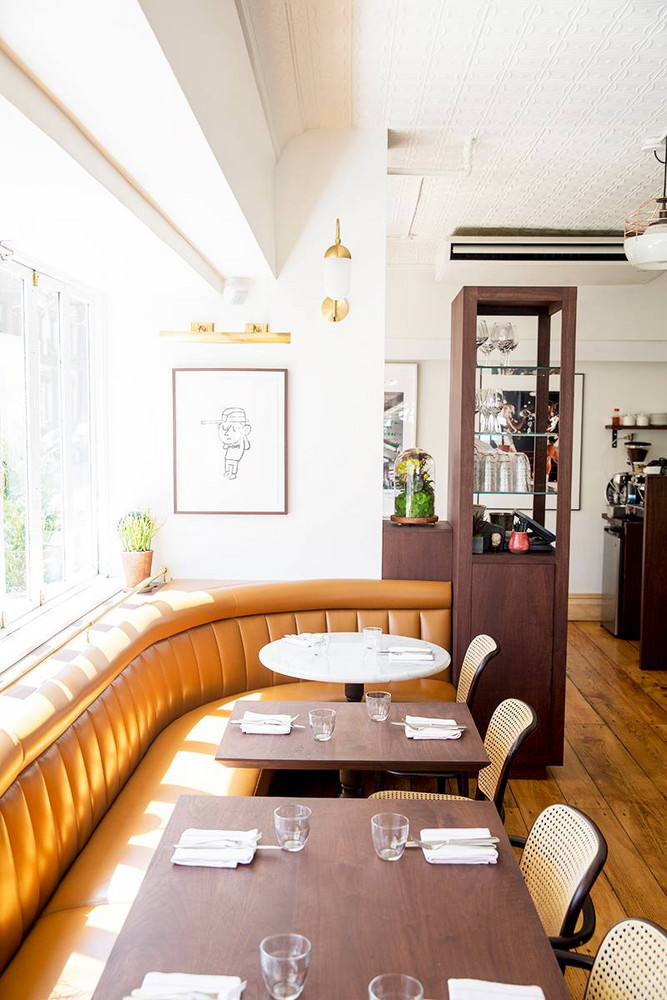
(80, 629)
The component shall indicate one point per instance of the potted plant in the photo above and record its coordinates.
(136, 530)
(414, 496)
(478, 523)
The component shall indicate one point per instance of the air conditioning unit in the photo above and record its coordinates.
(537, 260)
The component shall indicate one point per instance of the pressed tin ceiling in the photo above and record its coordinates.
(556, 97)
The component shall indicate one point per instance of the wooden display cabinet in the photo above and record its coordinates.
(521, 600)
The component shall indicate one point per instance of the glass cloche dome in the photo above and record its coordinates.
(414, 487)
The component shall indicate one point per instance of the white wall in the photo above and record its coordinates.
(335, 382)
(622, 320)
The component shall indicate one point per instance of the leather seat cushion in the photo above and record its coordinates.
(64, 955)
(419, 690)
(180, 761)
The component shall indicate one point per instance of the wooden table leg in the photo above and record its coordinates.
(354, 692)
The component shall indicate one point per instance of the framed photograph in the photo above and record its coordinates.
(399, 423)
(230, 440)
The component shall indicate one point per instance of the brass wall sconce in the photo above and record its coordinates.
(337, 272)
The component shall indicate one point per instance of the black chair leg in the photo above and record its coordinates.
(462, 784)
(441, 785)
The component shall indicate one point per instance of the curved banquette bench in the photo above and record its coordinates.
(102, 748)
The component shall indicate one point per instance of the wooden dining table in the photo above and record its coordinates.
(358, 743)
(364, 916)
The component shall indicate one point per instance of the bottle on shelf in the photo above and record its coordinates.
(616, 417)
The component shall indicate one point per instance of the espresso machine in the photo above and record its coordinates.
(625, 490)
(623, 540)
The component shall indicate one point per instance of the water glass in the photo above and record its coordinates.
(394, 986)
(372, 636)
(292, 826)
(322, 723)
(377, 705)
(320, 643)
(390, 833)
(285, 959)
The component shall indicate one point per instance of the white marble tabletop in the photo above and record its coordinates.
(347, 660)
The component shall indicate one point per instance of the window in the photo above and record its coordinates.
(48, 531)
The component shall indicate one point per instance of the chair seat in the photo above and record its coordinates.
(397, 794)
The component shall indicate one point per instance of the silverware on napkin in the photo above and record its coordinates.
(221, 844)
(431, 725)
(433, 845)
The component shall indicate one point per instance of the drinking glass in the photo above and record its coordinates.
(482, 332)
(322, 723)
(491, 342)
(285, 959)
(320, 643)
(372, 635)
(495, 401)
(377, 705)
(507, 340)
(390, 833)
(292, 826)
(394, 986)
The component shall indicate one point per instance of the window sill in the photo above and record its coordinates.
(48, 623)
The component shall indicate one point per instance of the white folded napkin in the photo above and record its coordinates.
(207, 848)
(411, 653)
(172, 985)
(434, 729)
(478, 989)
(461, 854)
(304, 639)
(258, 722)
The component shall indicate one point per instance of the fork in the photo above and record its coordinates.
(433, 845)
(431, 725)
(226, 842)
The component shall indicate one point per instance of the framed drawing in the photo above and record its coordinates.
(399, 427)
(230, 440)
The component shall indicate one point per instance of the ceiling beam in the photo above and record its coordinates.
(26, 92)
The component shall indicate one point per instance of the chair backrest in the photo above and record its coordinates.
(564, 854)
(478, 654)
(510, 724)
(631, 963)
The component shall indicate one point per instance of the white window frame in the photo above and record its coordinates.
(45, 605)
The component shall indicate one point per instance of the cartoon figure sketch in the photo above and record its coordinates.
(233, 431)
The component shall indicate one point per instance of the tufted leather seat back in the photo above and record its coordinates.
(81, 734)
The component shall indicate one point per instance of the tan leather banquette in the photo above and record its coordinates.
(102, 749)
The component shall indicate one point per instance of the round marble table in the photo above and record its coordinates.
(347, 660)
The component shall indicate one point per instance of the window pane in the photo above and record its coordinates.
(51, 455)
(13, 449)
(81, 544)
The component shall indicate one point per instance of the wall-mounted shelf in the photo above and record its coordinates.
(636, 429)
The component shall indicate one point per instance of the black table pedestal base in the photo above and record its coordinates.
(352, 784)
(354, 692)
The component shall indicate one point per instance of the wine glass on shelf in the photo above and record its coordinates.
(482, 332)
(495, 401)
(491, 342)
(507, 340)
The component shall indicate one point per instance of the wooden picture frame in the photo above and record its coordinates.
(230, 440)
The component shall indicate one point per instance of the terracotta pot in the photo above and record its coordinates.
(136, 567)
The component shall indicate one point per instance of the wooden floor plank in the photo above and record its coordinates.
(626, 656)
(616, 729)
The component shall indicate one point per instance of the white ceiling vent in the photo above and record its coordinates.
(537, 260)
